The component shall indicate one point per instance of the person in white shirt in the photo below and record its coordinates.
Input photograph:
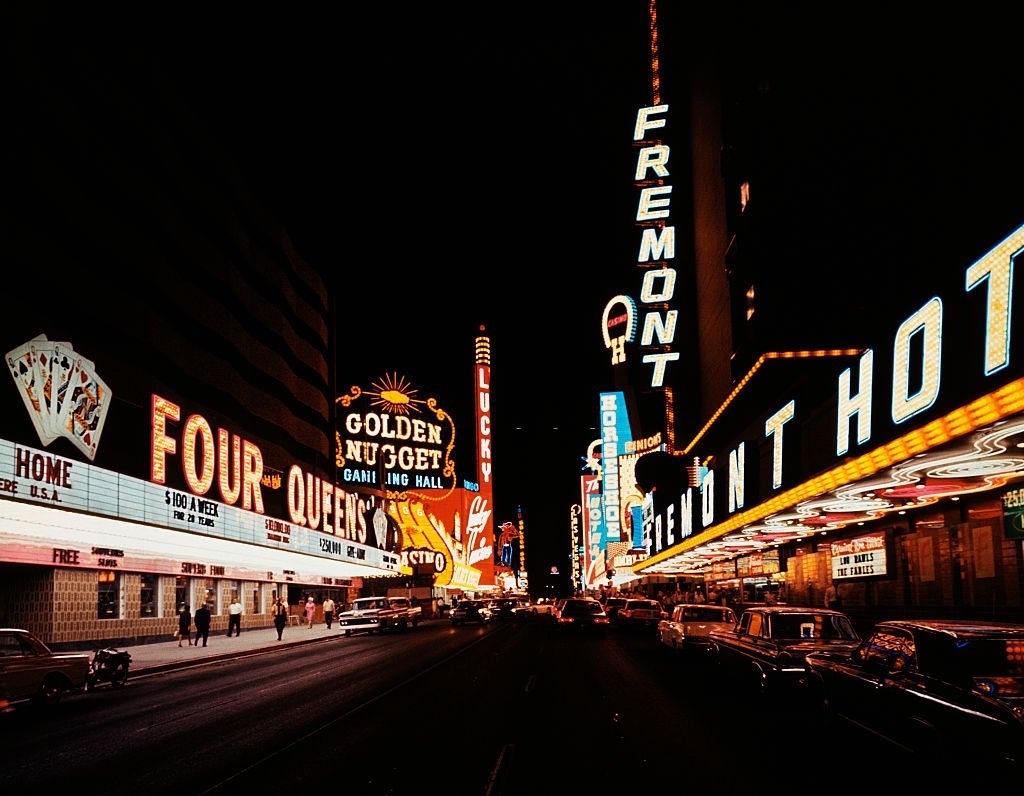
(235, 618)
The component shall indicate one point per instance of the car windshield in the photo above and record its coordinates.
(812, 625)
(990, 658)
(700, 613)
(583, 607)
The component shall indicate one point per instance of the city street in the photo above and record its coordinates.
(510, 707)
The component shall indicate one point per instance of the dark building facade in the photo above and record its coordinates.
(845, 204)
(169, 456)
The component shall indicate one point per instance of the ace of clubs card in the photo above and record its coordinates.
(54, 363)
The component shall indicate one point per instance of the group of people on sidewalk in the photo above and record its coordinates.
(202, 618)
(279, 611)
(202, 622)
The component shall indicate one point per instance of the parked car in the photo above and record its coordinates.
(639, 612)
(31, 672)
(582, 613)
(689, 625)
(945, 689)
(470, 611)
(767, 648)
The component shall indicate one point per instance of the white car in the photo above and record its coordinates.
(689, 624)
(640, 612)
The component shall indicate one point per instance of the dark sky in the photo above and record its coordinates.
(458, 164)
(445, 166)
(452, 166)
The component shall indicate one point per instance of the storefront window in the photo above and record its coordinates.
(180, 593)
(148, 596)
(206, 593)
(257, 603)
(109, 604)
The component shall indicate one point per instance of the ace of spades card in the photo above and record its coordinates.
(85, 407)
(21, 362)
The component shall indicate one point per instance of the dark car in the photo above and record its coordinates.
(767, 648)
(612, 606)
(582, 613)
(507, 607)
(470, 611)
(946, 689)
(31, 671)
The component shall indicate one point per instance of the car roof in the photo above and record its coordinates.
(957, 627)
(790, 609)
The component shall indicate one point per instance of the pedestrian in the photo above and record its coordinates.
(185, 625)
(280, 616)
(235, 617)
(329, 612)
(832, 599)
(310, 610)
(202, 620)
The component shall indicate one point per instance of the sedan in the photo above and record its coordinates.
(950, 690)
(612, 605)
(766, 650)
(689, 626)
(640, 612)
(31, 672)
(470, 611)
(582, 613)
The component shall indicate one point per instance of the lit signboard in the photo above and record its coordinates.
(863, 557)
(391, 440)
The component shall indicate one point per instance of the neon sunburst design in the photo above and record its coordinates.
(396, 395)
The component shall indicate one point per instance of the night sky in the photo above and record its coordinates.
(458, 164)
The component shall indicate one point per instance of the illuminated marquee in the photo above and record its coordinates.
(914, 388)
(385, 446)
(863, 557)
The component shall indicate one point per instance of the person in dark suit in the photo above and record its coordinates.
(202, 620)
(185, 625)
(280, 616)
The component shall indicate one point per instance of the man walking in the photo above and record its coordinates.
(202, 622)
(329, 612)
(280, 617)
(235, 617)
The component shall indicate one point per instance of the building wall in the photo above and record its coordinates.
(942, 566)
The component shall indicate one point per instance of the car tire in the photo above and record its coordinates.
(52, 690)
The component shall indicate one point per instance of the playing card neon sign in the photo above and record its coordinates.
(62, 392)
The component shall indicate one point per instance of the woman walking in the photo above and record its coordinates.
(185, 625)
(310, 610)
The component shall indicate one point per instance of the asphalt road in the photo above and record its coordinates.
(516, 707)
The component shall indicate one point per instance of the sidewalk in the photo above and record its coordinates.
(164, 655)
